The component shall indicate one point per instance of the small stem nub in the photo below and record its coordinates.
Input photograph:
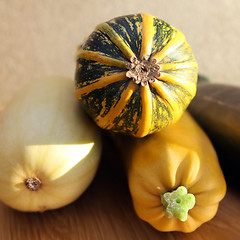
(142, 71)
(33, 183)
(177, 203)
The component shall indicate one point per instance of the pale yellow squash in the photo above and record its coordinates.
(49, 150)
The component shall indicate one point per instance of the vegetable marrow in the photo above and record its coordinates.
(216, 107)
(49, 150)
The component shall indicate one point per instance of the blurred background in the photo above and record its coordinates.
(39, 38)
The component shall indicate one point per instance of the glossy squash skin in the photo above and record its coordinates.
(216, 107)
(49, 150)
(135, 74)
(218, 115)
(179, 155)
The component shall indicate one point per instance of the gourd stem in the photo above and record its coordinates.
(177, 203)
(33, 183)
(142, 71)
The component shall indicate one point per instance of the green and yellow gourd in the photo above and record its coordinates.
(135, 74)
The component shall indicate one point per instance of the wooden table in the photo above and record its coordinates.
(105, 212)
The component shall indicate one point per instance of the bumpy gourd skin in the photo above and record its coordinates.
(135, 74)
(179, 155)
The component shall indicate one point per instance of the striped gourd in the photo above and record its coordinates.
(135, 74)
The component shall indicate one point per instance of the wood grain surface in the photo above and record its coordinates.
(105, 212)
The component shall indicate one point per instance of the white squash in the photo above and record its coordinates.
(49, 150)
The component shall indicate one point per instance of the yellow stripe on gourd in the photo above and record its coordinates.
(116, 109)
(173, 106)
(116, 39)
(178, 65)
(100, 83)
(98, 57)
(146, 118)
(189, 86)
(176, 40)
(147, 34)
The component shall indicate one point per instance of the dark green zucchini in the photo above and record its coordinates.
(216, 107)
